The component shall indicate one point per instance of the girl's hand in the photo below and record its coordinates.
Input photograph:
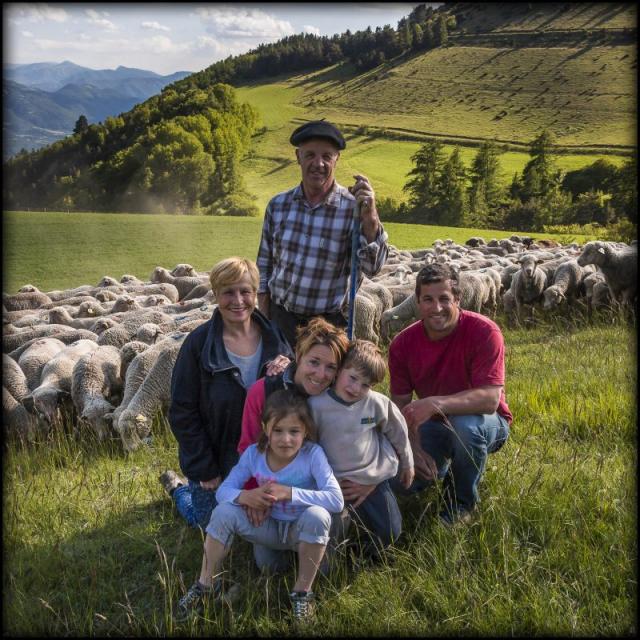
(406, 477)
(258, 498)
(211, 485)
(277, 365)
(257, 516)
(279, 491)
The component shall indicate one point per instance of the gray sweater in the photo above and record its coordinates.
(363, 440)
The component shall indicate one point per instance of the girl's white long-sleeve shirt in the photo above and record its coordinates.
(309, 475)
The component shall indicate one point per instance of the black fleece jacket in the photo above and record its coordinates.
(207, 397)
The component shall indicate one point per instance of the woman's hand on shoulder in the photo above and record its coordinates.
(277, 365)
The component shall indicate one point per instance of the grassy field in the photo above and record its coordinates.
(93, 547)
(286, 102)
(56, 250)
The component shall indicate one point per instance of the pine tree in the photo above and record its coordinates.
(81, 125)
(484, 191)
(423, 185)
(540, 176)
(451, 190)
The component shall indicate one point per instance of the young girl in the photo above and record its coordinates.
(296, 481)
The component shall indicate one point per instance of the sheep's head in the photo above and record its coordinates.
(105, 296)
(28, 288)
(528, 264)
(89, 309)
(593, 253)
(107, 281)
(160, 274)
(47, 402)
(59, 315)
(128, 278)
(181, 270)
(95, 415)
(102, 324)
(132, 428)
(148, 333)
(552, 298)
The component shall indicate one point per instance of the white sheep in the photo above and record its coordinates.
(619, 266)
(55, 381)
(28, 300)
(567, 281)
(152, 395)
(397, 318)
(184, 284)
(13, 378)
(33, 359)
(67, 338)
(16, 418)
(95, 385)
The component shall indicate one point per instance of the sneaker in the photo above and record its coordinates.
(192, 602)
(170, 481)
(302, 605)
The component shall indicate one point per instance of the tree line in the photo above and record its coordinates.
(177, 152)
(443, 191)
(421, 30)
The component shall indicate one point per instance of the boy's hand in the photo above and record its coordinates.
(407, 476)
(258, 498)
(278, 491)
(355, 492)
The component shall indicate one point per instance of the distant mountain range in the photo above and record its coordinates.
(43, 100)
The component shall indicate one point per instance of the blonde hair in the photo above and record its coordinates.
(366, 358)
(279, 405)
(320, 332)
(231, 270)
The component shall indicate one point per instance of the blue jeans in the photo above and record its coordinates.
(194, 504)
(380, 516)
(460, 455)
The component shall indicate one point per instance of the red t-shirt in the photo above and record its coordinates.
(471, 356)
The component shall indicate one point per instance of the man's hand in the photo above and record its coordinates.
(406, 477)
(425, 466)
(420, 411)
(211, 485)
(277, 365)
(258, 498)
(355, 492)
(364, 194)
(257, 516)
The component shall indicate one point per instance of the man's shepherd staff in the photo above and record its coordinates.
(355, 242)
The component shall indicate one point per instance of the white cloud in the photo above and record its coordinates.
(27, 34)
(96, 19)
(244, 23)
(154, 25)
(307, 28)
(39, 12)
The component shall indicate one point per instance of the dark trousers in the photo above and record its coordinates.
(288, 321)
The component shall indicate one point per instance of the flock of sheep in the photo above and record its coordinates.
(104, 354)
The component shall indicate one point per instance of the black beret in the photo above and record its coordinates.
(317, 129)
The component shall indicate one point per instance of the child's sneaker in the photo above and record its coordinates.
(170, 481)
(193, 601)
(302, 605)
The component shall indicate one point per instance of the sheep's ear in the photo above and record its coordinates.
(27, 403)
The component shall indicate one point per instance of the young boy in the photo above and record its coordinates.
(366, 441)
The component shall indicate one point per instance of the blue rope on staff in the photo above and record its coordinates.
(355, 243)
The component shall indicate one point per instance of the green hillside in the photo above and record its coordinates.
(558, 74)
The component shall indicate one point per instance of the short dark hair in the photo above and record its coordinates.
(282, 403)
(437, 272)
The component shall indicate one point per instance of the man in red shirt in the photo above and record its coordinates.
(453, 360)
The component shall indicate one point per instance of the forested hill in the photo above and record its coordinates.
(463, 71)
(177, 152)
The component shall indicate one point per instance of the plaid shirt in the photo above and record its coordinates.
(305, 252)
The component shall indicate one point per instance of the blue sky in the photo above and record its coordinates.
(168, 37)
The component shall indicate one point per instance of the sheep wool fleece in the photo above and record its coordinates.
(363, 440)
(471, 356)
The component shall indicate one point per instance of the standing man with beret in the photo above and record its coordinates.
(304, 257)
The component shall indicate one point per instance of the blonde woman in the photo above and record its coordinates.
(216, 365)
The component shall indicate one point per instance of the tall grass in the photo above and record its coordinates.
(93, 547)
